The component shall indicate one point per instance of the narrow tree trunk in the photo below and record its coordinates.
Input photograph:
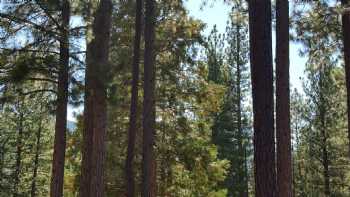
(346, 42)
(149, 165)
(56, 189)
(95, 111)
(246, 176)
(263, 108)
(283, 131)
(129, 173)
(241, 152)
(36, 160)
(323, 132)
(325, 161)
(18, 152)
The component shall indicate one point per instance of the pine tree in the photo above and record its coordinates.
(95, 110)
(283, 131)
(262, 88)
(149, 110)
(346, 49)
(56, 189)
(129, 173)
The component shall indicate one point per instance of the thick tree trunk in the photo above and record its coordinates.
(283, 131)
(346, 42)
(129, 173)
(263, 108)
(18, 152)
(149, 164)
(56, 189)
(36, 160)
(95, 112)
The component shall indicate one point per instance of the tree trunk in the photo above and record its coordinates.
(262, 87)
(283, 131)
(36, 159)
(129, 173)
(95, 111)
(246, 175)
(149, 165)
(241, 152)
(18, 151)
(325, 163)
(56, 189)
(324, 138)
(346, 42)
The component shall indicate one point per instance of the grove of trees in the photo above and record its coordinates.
(168, 109)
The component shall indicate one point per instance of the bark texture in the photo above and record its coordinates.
(149, 165)
(346, 41)
(56, 188)
(95, 111)
(283, 131)
(262, 86)
(129, 173)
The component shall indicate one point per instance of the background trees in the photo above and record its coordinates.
(197, 88)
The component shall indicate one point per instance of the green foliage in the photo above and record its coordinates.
(319, 119)
(20, 122)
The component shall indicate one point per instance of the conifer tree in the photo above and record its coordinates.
(283, 131)
(262, 88)
(95, 110)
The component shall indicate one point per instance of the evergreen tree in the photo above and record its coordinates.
(262, 88)
(62, 104)
(129, 173)
(283, 131)
(95, 110)
(346, 49)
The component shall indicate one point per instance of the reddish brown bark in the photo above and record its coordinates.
(262, 87)
(283, 131)
(56, 189)
(346, 41)
(95, 112)
(148, 167)
(129, 173)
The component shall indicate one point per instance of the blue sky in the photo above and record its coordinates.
(216, 13)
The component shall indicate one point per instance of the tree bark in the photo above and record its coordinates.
(149, 164)
(36, 159)
(346, 42)
(56, 189)
(283, 131)
(95, 111)
(262, 88)
(129, 173)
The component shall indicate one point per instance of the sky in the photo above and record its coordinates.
(217, 13)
